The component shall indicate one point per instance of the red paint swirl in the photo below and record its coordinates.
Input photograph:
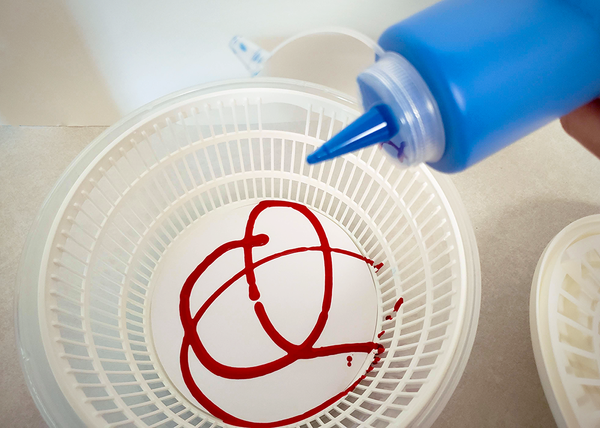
(293, 352)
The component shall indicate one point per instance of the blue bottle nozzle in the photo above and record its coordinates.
(377, 125)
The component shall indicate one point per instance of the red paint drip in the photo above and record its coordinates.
(349, 364)
(293, 352)
(389, 317)
(370, 369)
(349, 358)
(398, 304)
(358, 256)
(376, 360)
(381, 334)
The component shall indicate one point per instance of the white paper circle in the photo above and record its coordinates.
(292, 293)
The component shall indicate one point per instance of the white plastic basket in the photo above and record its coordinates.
(88, 273)
(565, 323)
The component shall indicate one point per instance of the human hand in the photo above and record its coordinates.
(583, 124)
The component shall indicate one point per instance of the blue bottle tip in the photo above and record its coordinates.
(377, 125)
(319, 155)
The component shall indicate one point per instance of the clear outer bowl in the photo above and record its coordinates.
(426, 213)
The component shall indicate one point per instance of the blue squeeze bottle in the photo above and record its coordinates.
(464, 78)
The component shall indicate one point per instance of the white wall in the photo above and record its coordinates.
(84, 62)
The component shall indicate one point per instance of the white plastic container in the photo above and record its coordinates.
(140, 192)
(565, 323)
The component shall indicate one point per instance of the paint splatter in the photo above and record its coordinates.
(293, 352)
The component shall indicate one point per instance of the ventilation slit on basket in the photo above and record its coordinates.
(200, 125)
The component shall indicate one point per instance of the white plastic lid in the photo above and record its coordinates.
(565, 323)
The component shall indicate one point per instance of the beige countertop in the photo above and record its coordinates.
(517, 200)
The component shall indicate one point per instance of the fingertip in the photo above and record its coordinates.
(583, 125)
(565, 122)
